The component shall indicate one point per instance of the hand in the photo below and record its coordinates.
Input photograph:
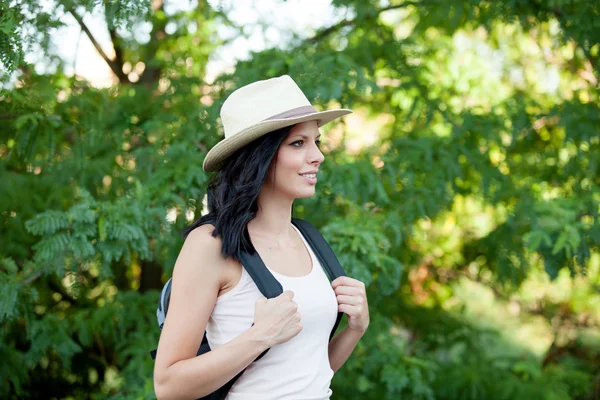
(352, 300)
(277, 320)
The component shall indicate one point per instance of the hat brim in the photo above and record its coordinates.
(221, 151)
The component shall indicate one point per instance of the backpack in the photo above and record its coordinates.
(268, 286)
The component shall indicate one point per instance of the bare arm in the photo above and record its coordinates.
(352, 300)
(199, 376)
(341, 346)
(178, 372)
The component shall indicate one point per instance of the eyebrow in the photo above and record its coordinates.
(305, 137)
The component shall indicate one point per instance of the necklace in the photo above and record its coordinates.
(270, 240)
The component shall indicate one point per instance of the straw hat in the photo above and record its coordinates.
(259, 108)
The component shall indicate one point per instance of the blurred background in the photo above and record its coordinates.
(464, 190)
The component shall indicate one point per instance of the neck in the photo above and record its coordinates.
(274, 216)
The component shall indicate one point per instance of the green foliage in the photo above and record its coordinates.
(25, 24)
(11, 49)
(464, 192)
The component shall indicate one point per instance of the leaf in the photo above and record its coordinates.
(9, 265)
(47, 222)
(101, 228)
(9, 292)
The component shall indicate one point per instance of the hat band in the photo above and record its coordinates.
(294, 112)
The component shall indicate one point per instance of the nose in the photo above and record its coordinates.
(315, 156)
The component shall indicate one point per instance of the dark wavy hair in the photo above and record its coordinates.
(233, 193)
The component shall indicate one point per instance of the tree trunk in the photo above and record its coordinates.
(151, 276)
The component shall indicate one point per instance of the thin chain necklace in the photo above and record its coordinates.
(272, 240)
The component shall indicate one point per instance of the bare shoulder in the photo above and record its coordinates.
(201, 259)
(202, 235)
(199, 255)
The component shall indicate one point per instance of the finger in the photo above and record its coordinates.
(348, 290)
(351, 300)
(347, 281)
(289, 294)
(262, 300)
(338, 281)
(350, 310)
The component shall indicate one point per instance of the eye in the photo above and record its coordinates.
(300, 143)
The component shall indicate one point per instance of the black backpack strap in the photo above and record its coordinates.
(317, 242)
(262, 277)
(270, 288)
(260, 274)
(325, 254)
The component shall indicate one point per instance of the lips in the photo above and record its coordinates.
(311, 178)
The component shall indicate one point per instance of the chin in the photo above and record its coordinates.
(305, 193)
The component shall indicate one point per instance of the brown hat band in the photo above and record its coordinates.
(294, 112)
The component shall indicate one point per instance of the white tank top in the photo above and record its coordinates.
(298, 369)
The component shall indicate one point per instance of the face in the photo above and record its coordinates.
(298, 159)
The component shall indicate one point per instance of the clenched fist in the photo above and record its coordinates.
(277, 320)
(352, 300)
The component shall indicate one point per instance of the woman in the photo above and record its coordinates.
(269, 157)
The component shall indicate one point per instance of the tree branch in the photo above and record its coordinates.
(333, 28)
(32, 278)
(152, 72)
(118, 50)
(113, 66)
(328, 31)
